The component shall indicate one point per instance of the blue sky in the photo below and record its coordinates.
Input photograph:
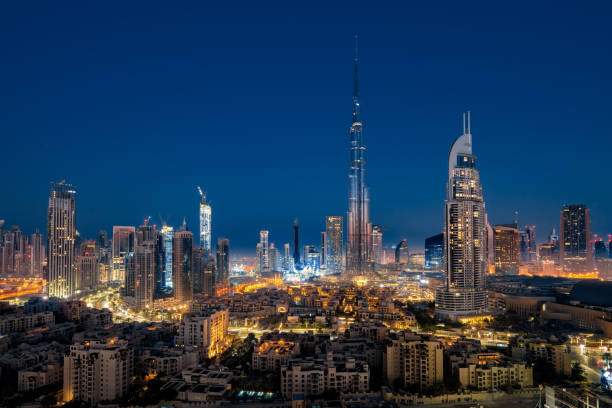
(137, 103)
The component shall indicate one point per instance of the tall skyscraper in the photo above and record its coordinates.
(359, 237)
(205, 222)
(274, 259)
(324, 249)
(223, 264)
(38, 255)
(124, 241)
(264, 261)
(61, 232)
(377, 244)
(402, 255)
(287, 258)
(144, 274)
(87, 266)
(182, 265)
(334, 234)
(465, 238)
(167, 238)
(576, 242)
(312, 257)
(434, 252)
(506, 240)
(104, 257)
(296, 243)
(527, 244)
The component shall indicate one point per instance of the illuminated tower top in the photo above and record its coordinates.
(205, 222)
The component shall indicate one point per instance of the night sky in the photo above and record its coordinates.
(138, 103)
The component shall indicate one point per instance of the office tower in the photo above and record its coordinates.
(206, 330)
(434, 252)
(223, 264)
(205, 222)
(167, 238)
(159, 286)
(258, 264)
(61, 232)
(377, 244)
(402, 255)
(599, 249)
(575, 234)
(208, 271)
(527, 244)
(506, 241)
(359, 236)
(96, 371)
(14, 253)
(87, 269)
(324, 249)
(104, 256)
(146, 232)
(274, 258)
(124, 240)
(182, 265)
(312, 258)
(287, 258)
(201, 260)
(37, 255)
(264, 262)
(465, 239)
(335, 240)
(144, 274)
(296, 243)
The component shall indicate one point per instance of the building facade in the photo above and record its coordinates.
(434, 252)
(124, 242)
(575, 234)
(506, 241)
(182, 264)
(334, 237)
(206, 329)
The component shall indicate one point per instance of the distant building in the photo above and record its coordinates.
(296, 243)
(223, 263)
(87, 266)
(263, 254)
(98, 371)
(37, 255)
(167, 238)
(182, 265)
(205, 223)
(144, 271)
(575, 240)
(274, 258)
(61, 234)
(527, 244)
(312, 257)
(402, 255)
(506, 249)
(124, 242)
(599, 249)
(434, 252)
(334, 236)
(287, 258)
(377, 244)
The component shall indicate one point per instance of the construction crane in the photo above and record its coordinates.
(146, 221)
(200, 191)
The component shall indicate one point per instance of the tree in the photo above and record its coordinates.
(577, 373)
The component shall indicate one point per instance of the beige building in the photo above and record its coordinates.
(272, 355)
(489, 376)
(39, 376)
(98, 371)
(414, 360)
(206, 329)
(313, 377)
(13, 323)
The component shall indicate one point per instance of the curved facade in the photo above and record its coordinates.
(465, 238)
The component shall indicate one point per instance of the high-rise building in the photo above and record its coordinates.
(334, 235)
(205, 223)
(223, 263)
(359, 236)
(167, 239)
(104, 257)
(87, 266)
(575, 242)
(61, 232)
(312, 258)
(465, 239)
(124, 241)
(96, 371)
(324, 249)
(144, 274)
(287, 258)
(264, 262)
(37, 255)
(506, 249)
(296, 243)
(377, 244)
(527, 244)
(203, 270)
(434, 252)
(599, 249)
(182, 264)
(274, 258)
(402, 254)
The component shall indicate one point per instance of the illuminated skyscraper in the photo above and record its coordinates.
(274, 259)
(527, 244)
(506, 240)
(61, 233)
(296, 243)
(223, 263)
(377, 244)
(205, 222)
(434, 252)
(334, 235)
(167, 238)
(287, 258)
(465, 239)
(359, 237)
(141, 266)
(576, 242)
(38, 255)
(124, 240)
(264, 260)
(324, 250)
(87, 266)
(182, 265)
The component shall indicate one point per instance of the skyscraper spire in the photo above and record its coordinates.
(356, 107)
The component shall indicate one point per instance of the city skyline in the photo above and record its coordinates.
(394, 158)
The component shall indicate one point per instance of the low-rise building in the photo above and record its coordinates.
(40, 375)
(271, 355)
(206, 330)
(13, 323)
(490, 376)
(167, 361)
